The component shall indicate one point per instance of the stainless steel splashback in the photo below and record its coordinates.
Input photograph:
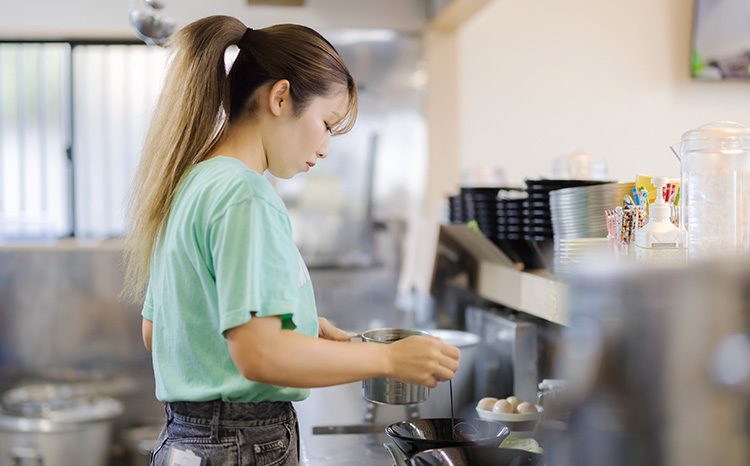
(507, 363)
(60, 320)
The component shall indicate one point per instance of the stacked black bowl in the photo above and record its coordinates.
(480, 204)
(537, 229)
(456, 209)
(510, 229)
(498, 213)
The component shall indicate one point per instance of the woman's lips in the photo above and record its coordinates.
(310, 165)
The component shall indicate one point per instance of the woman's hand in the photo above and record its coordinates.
(422, 360)
(327, 331)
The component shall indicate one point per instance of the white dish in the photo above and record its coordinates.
(510, 417)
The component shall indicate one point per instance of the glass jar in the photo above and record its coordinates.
(715, 191)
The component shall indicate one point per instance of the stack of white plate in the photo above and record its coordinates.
(580, 212)
(572, 253)
(579, 222)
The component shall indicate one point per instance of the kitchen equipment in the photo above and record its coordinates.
(461, 456)
(56, 424)
(512, 218)
(476, 456)
(507, 360)
(422, 434)
(497, 212)
(150, 25)
(579, 166)
(573, 253)
(643, 354)
(538, 229)
(463, 380)
(579, 212)
(398, 456)
(715, 191)
(389, 391)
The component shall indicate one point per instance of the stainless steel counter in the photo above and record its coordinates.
(345, 450)
(344, 406)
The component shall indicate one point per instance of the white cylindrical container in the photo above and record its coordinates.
(715, 191)
(56, 425)
(439, 404)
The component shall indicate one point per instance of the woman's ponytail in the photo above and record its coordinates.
(187, 123)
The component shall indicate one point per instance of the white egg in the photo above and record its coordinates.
(526, 408)
(487, 403)
(502, 406)
(514, 401)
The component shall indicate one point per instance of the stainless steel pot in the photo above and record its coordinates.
(389, 391)
(55, 425)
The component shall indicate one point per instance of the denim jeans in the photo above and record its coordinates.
(233, 434)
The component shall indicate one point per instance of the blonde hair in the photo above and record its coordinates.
(199, 100)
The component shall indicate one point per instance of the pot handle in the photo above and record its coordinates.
(398, 457)
(26, 456)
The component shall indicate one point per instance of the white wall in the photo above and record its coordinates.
(545, 78)
(109, 18)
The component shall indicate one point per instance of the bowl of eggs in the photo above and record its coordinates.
(521, 417)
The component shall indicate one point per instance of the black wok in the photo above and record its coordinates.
(476, 456)
(423, 434)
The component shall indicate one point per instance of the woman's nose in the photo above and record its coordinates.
(322, 151)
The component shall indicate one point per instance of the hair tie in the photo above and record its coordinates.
(244, 41)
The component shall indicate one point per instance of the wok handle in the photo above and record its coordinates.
(398, 457)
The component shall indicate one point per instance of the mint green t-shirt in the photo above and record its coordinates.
(227, 253)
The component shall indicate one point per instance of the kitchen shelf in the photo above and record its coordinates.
(496, 278)
(538, 295)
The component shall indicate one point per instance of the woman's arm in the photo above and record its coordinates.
(264, 352)
(147, 328)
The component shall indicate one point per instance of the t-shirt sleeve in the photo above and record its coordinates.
(148, 306)
(255, 263)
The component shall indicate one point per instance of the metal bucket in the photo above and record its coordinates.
(388, 391)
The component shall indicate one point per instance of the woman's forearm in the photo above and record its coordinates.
(268, 354)
(306, 362)
(265, 353)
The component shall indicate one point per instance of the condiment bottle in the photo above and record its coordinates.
(659, 239)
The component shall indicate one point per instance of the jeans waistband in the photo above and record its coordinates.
(225, 413)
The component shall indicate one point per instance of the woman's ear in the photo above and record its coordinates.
(279, 98)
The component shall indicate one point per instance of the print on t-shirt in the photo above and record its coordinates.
(304, 275)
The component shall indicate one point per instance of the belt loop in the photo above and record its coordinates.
(168, 414)
(215, 420)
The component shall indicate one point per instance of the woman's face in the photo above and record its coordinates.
(300, 142)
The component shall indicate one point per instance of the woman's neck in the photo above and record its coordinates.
(243, 142)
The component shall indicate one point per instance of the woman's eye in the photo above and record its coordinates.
(328, 128)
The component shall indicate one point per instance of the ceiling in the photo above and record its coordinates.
(108, 19)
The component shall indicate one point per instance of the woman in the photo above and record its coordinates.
(229, 312)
